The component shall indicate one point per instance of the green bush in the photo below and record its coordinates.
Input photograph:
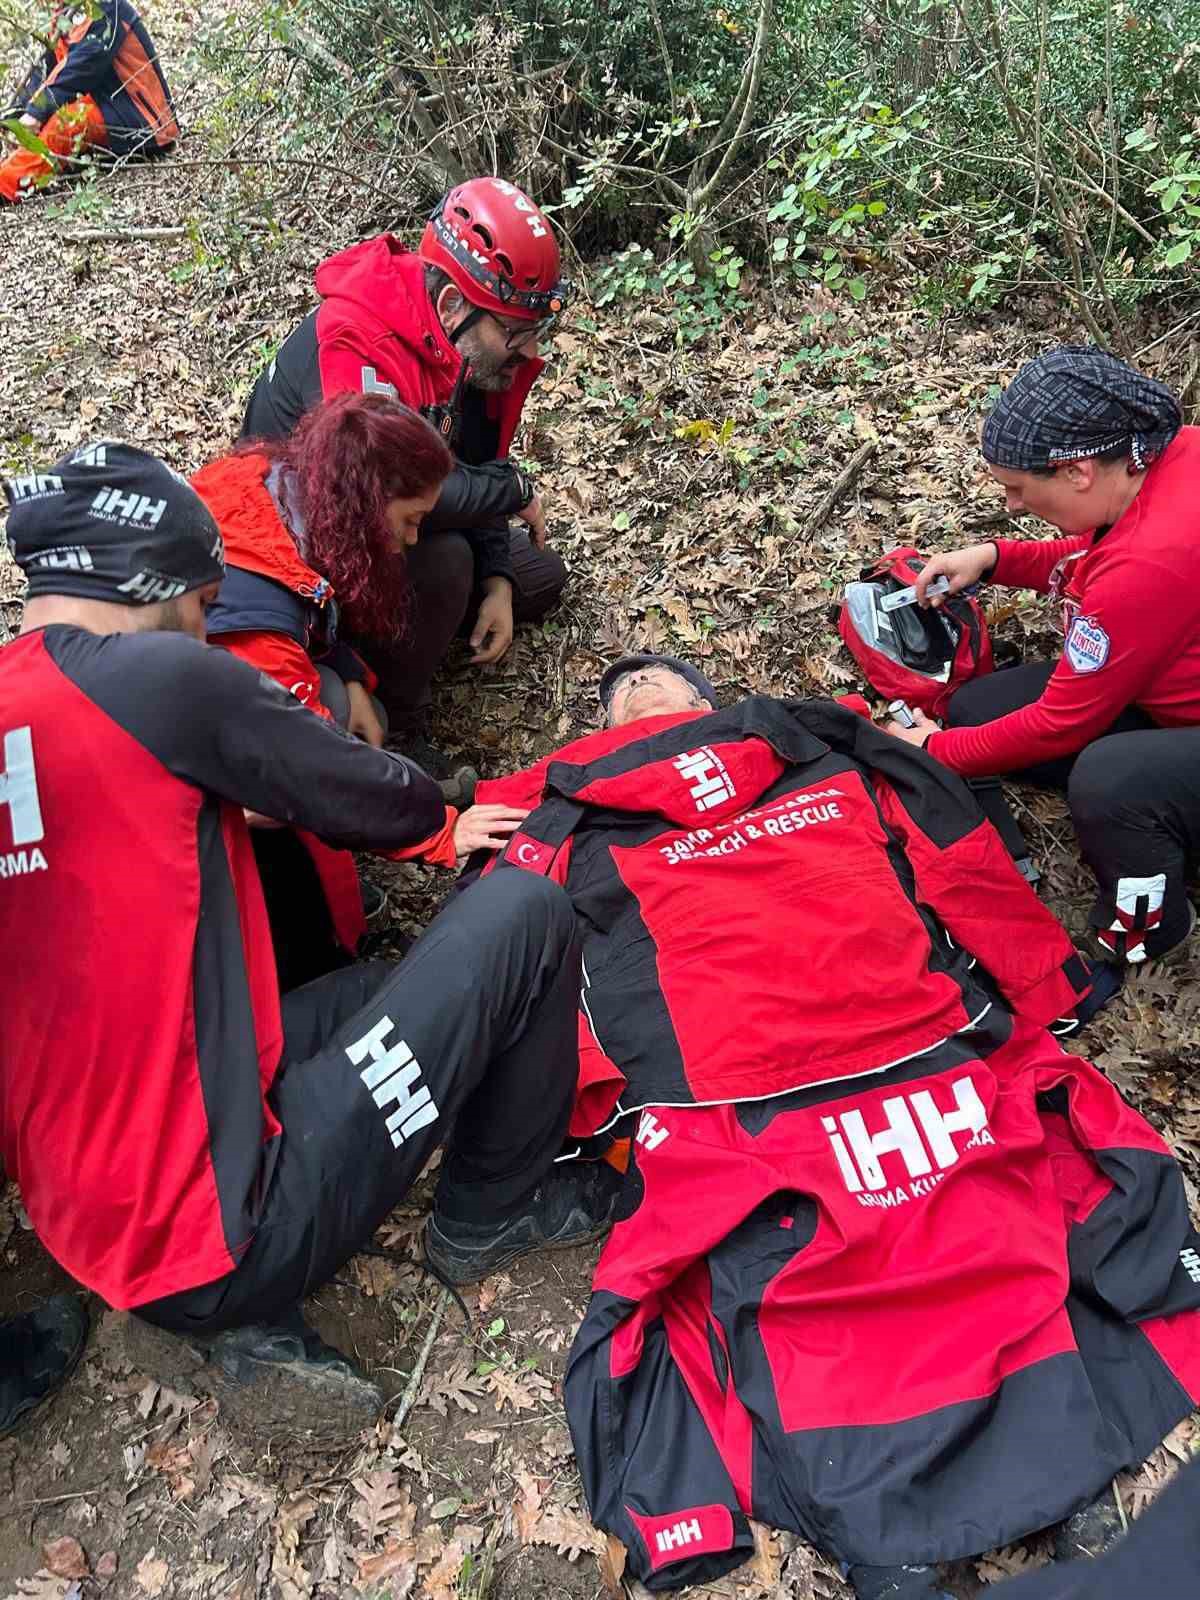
(994, 149)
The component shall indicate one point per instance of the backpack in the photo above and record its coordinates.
(913, 654)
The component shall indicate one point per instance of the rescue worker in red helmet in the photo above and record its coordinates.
(453, 330)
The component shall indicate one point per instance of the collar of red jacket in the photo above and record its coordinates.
(257, 539)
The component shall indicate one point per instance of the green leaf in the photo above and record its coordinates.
(495, 1329)
(620, 522)
(446, 1507)
(482, 1368)
(27, 138)
(876, 208)
(1178, 253)
(857, 288)
(1172, 196)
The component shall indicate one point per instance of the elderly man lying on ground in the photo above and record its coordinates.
(892, 1270)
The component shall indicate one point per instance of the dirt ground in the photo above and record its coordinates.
(686, 482)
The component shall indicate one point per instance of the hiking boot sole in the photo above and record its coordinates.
(293, 1397)
(26, 1410)
(452, 1274)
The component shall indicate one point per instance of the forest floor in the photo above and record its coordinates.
(686, 469)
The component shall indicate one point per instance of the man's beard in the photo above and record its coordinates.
(492, 372)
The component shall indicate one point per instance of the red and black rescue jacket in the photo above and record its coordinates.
(893, 1271)
(376, 330)
(673, 833)
(106, 52)
(141, 1021)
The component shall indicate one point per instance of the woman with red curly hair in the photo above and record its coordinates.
(316, 527)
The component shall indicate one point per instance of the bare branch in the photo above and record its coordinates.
(748, 91)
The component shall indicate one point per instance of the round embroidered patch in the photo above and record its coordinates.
(1087, 645)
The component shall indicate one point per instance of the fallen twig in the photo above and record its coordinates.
(845, 480)
(409, 1398)
(57, 1499)
(122, 235)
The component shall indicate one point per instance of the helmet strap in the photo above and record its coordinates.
(476, 314)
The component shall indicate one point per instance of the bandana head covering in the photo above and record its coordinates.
(672, 663)
(1074, 402)
(110, 522)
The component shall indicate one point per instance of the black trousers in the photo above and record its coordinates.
(441, 569)
(1134, 795)
(1159, 1558)
(470, 1042)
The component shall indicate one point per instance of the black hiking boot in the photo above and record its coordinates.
(374, 902)
(896, 1583)
(573, 1205)
(457, 783)
(38, 1352)
(458, 790)
(284, 1376)
(1092, 1531)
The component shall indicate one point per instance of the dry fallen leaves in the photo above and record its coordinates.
(44, 1585)
(397, 1562)
(521, 1391)
(152, 1573)
(383, 1504)
(563, 1530)
(64, 1557)
(458, 1387)
(442, 1582)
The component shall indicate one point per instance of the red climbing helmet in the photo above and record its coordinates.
(498, 249)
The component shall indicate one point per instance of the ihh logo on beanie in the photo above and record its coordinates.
(36, 486)
(128, 510)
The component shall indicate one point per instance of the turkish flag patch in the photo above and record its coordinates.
(534, 855)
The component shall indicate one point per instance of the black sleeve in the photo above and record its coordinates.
(88, 62)
(29, 85)
(489, 546)
(472, 496)
(347, 663)
(217, 723)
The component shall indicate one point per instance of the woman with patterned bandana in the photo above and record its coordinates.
(1100, 452)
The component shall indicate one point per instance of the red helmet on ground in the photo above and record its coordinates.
(498, 249)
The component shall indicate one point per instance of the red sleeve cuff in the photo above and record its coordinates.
(438, 849)
(1052, 997)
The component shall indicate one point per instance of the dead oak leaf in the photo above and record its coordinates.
(527, 1511)
(612, 1566)
(442, 1582)
(1005, 1564)
(397, 1562)
(492, 1289)
(518, 1390)
(383, 1503)
(203, 1452)
(458, 1387)
(152, 1573)
(64, 1557)
(767, 1556)
(567, 1533)
(44, 1585)
(296, 1512)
